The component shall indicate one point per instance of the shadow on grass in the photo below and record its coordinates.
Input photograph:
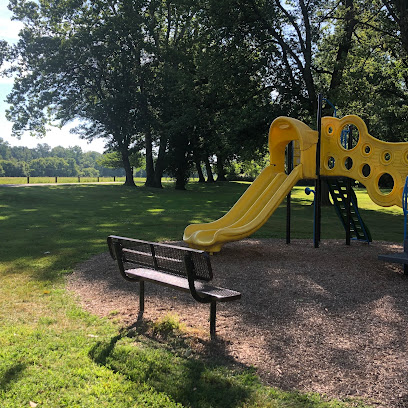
(210, 378)
(189, 381)
(49, 229)
(10, 375)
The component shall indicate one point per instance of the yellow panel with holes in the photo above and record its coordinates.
(364, 158)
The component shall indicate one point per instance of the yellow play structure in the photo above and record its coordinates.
(366, 161)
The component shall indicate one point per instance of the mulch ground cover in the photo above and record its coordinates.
(331, 320)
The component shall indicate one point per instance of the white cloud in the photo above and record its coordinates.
(6, 81)
(56, 137)
(9, 29)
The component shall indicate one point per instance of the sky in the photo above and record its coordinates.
(56, 137)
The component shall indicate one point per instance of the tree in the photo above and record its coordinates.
(112, 160)
(13, 168)
(89, 172)
(5, 150)
(216, 99)
(365, 73)
(80, 60)
(52, 167)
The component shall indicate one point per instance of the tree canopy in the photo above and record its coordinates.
(190, 83)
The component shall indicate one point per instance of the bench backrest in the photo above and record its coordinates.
(162, 257)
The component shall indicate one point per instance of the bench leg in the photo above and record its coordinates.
(213, 313)
(141, 296)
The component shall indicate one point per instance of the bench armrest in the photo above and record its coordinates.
(115, 249)
(191, 281)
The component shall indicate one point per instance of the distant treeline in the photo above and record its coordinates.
(44, 161)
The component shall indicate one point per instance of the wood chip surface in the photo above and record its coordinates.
(332, 320)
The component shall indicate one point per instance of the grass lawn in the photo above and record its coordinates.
(46, 180)
(54, 354)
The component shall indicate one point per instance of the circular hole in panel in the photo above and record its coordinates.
(330, 130)
(386, 183)
(366, 150)
(331, 163)
(366, 170)
(386, 157)
(349, 137)
(348, 163)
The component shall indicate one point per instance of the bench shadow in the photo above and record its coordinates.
(10, 375)
(162, 364)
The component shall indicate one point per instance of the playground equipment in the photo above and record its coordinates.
(346, 207)
(366, 162)
(265, 194)
(316, 155)
(401, 258)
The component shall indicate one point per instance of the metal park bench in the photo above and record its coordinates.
(185, 269)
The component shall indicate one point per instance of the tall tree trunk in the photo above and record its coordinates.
(339, 66)
(201, 178)
(182, 153)
(181, 177)
(220, 169)
(306, 46)
(210, 178)
(149, 160)
(398, 11)
(158, 171)
(128, 168)
(343, 50)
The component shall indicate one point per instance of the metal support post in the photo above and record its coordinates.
(288, 197)
(141, 296)
(213, 313)
(348, 208)
(348, 187)
(318, 190)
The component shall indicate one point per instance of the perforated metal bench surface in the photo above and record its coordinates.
(181, 268)
(177, 282)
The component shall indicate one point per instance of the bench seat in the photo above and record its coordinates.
(177, 282)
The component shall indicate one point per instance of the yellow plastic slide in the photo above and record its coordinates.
(265, 194)
(248, 214)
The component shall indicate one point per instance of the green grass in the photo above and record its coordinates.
(45, 180)
(56, 355)
(60, 180)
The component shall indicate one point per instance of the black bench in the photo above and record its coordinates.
(185, 269)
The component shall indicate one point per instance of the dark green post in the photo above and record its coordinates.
(348, 187)
(288, 197)
(318, 187)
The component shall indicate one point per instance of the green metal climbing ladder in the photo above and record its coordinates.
(338, 192)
